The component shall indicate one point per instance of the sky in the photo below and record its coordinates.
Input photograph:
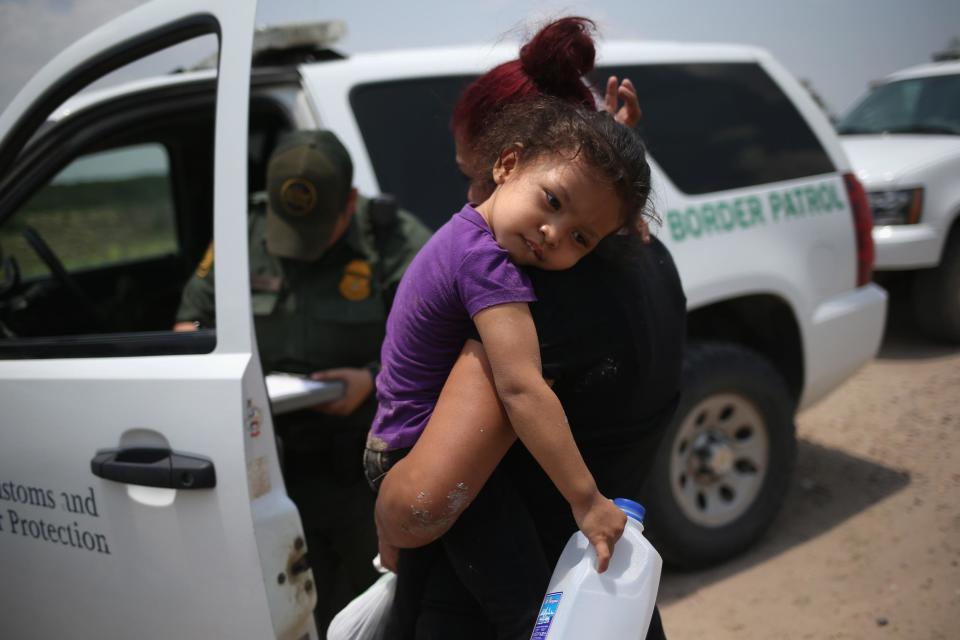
(837, 45)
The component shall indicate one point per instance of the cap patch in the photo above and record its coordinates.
(298, 197)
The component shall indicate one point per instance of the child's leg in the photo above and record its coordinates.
(423, 495)
(376, 465)
(465, 439)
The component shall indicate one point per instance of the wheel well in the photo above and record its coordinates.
(764, 323)
(953, 233)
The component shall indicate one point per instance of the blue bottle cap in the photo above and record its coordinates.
(633, 509)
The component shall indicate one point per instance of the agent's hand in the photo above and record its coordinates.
(602, 522)
(629, 114)
(357, 383)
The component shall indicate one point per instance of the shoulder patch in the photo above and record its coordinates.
(355, 283)
(203, 269)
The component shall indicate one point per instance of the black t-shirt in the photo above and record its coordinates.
(612, 334)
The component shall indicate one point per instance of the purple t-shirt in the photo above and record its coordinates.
(459, 272)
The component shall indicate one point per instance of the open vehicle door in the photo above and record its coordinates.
(140, 492)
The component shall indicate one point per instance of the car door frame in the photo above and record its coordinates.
(250, 525)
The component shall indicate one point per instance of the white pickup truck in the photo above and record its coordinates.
(903, 139)
(140, 490)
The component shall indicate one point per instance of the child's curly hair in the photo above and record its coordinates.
(546, 125)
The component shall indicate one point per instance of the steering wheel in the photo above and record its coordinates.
(60, 273)
(10, 272)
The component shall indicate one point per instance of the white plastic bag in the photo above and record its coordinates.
(365, 618)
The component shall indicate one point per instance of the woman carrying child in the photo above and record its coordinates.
(563, 179)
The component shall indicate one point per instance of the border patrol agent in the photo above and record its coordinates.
(324, 266)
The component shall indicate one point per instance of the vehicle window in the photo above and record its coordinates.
(412, 150)
(917, 105)
(105, 214)
(713, 127)
(102, 210)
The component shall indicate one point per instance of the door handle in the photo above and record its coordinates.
(154, 467)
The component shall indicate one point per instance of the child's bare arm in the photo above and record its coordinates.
(510, 341)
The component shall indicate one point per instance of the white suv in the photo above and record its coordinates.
(769, 229)
(140, 490)
(903, 139)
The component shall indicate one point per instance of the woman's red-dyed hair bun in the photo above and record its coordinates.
(553, 63)
(559, 55)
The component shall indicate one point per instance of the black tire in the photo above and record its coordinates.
(734, 405)
(936, 295)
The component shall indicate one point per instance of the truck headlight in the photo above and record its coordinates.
(896, 207)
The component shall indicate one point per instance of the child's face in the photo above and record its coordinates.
(551, 212)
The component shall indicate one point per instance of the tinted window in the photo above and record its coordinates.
(713, 127)
(917, 105)
(406, 128)
(103, 217)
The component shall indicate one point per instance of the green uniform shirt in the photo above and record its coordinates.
(318, 315)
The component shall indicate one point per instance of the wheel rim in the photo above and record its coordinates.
(719, 459)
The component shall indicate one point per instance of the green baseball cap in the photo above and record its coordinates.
(309, 179)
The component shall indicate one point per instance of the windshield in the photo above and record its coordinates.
(917, 105)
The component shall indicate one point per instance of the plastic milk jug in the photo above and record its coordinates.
(617, 604)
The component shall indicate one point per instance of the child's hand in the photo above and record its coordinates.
(602, 522)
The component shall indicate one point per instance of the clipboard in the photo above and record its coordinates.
(289, 392)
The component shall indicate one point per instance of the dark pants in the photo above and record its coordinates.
(341, 541)
(448, 611)
(336, 508)
(485, 578)
(488, 569)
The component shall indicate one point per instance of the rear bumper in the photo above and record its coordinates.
(845, 334)
(913, 246)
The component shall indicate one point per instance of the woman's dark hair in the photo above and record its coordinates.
(548, 126)
(552, 63)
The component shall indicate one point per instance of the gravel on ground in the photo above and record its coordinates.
(867, 544)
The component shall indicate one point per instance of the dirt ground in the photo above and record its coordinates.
(868, 542)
